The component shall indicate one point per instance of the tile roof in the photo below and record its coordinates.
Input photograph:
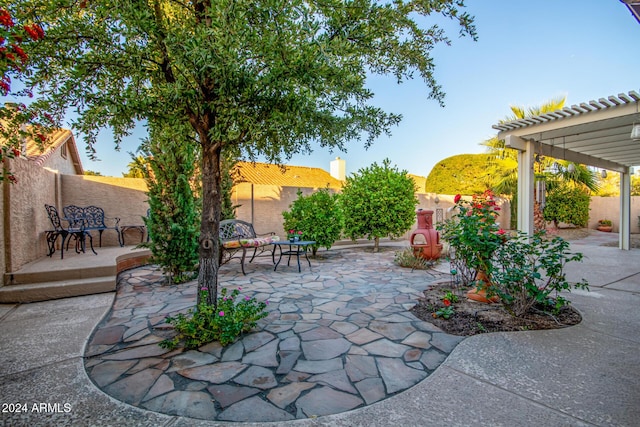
(287, 176)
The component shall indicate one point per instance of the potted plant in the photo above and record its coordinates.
(605, 225)
(295, 235)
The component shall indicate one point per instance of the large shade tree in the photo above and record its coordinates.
(251, 77)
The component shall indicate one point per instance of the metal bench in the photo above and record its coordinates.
(237, 235)
(93, 218)
(75, 230)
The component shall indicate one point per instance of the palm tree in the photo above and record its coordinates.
(138, 167)
(503, 163)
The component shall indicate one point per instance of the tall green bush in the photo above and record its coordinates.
(568, 205)
(378, 201)
(173, 223)
(228, 209)
(318, 216)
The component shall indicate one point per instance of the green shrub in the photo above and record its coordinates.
(378, 201)
(462, 173)
(529, 271)
(318, 216)
(173, 225)
(233, 316)
(568, 205)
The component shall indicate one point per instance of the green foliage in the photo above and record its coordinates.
(473, 234)
(228, 209)
(19, 122)
(233, 316)
(318, 216)
(461, 174)
(450, 296)
(378, 201)
(522, 271)
(407, 258)
(138, 167)
(18, 35)
(529, 271)
(92, 173)
(250, 78)
(8, 152)
(610, 186)
(445, 312)
(504, 165)
(568, 205)
(173, 223)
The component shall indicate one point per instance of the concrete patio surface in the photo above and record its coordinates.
(588, 374)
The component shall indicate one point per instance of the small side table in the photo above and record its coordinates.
(295, 248)
(140, 228)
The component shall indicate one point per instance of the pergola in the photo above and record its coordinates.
(595, 133)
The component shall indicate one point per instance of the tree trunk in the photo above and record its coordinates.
(209, 243)
(376, 244)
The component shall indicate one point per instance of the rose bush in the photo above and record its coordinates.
(525, 272)
(473, 234)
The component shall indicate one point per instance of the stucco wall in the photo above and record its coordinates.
(60, 163)
(263, 205)
(124, 198)
(28, 218)
(609, 208)
(3, 245)
(24, 229)
(268, 202)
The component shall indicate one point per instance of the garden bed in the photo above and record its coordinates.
(471, 318)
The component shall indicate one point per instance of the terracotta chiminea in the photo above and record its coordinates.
(425, 240)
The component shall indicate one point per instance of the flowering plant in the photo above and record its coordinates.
(605, 222)
(293, 234)
(472, 233)
(234, 315)
(13, 36)
(15, 41)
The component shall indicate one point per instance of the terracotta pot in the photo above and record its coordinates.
(480, 294)
(605, 228)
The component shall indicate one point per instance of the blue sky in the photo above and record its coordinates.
(526, 54)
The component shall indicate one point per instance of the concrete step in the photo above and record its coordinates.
(75, 273)
(44, 291)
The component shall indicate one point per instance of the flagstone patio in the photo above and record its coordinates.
(338, 336)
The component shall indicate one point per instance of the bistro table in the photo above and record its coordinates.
(139, 228)
(295, 248)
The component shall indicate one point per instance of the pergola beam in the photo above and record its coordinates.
(557, 152)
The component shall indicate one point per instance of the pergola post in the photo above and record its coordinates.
(526, 155)
(625, 210)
